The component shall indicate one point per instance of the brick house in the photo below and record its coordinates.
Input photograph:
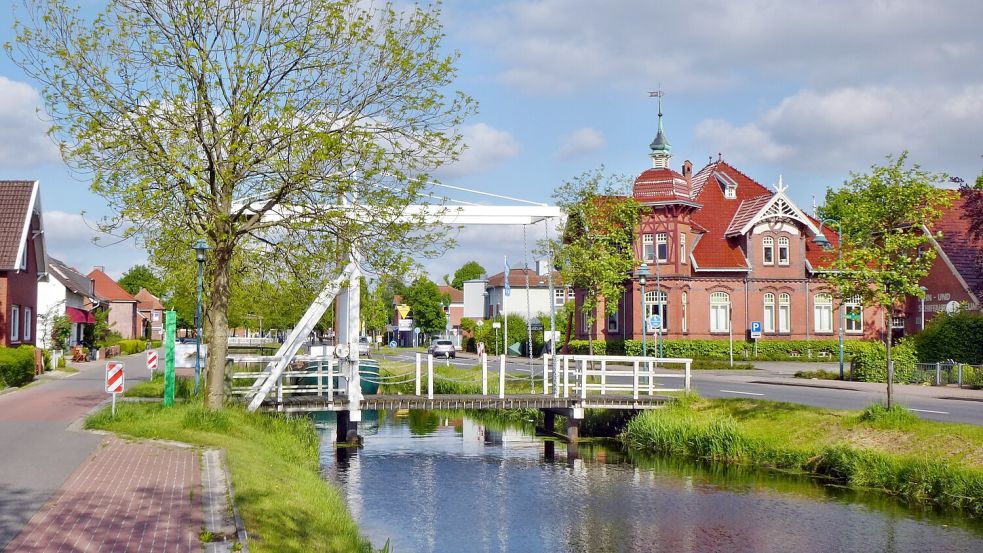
(722, 250)
(23, 261)
(122, 306)
(151, 315)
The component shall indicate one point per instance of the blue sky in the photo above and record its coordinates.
(810, 91)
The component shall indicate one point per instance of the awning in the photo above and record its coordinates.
(77, 315)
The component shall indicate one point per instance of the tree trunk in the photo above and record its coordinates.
(566, 339)
(218, 325)
(890, 364)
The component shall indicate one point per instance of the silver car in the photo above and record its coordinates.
(442, 348)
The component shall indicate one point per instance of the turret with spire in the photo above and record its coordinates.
(661, 149)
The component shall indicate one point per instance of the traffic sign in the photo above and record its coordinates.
(654, 322)
(114, 377)
(151, 360)
(535, 325)
(392, 344)
(755, 330)
(416, 330)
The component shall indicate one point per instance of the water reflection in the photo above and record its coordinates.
(435, 482)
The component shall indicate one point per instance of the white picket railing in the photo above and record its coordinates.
(581, 374)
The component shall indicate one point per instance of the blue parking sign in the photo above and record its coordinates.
(654, 322)
(755, 329)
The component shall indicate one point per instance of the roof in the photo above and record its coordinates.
(147, 301)
(958, 243)
(746, 211)
(107, 289)
(456, 295)
(714, 250)
(659, 185)
(517, 278)
(18, 200)
(70, 278)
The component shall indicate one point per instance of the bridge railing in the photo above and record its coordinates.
(308, 374)
(603, 374)
(244, 341)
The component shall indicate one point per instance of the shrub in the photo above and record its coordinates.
(17, 365)
(869, 362)
(46, 359)
(156, 343)
(879, 416)
(822, 374)
(61, 362)
(773, 350)
(958, 336)
(128, 347)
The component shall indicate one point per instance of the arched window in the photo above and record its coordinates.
(719, 312)
(823, 309)
(784, 313)
(783, 250)
(769, 313)
(656, 303)
(685, 323)
(768, 250)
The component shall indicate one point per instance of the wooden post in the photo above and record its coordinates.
(501, 378)
(417, 374)
(651, 378)
(573, 429)
(604, 376)
(341, 430)
(634, 380)
(429, 376)
(320, 377)
(566, 377)
(686, 380)
(546, 375)
(583, 380)
(484, 374)
(549, 421)
(330, 383)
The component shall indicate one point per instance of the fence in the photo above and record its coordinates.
(944, 373)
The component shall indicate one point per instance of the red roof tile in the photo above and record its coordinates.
(456, 295)
(147, 301)
(517, 277)
(16, 198)
(107, 289)
(959, 245)
(659, 185)
(745, 212)
(715, 250)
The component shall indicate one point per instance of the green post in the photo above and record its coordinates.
(170, 330)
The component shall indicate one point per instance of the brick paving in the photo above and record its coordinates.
(128, 496)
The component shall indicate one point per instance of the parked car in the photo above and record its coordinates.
(363, 345)
(442, 348)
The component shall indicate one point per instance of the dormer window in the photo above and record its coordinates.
(730, 192)
(728, 185)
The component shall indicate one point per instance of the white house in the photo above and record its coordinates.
(529, 293)
(67, 292)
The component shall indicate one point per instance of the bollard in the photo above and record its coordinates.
(634, 380)
(938, 373)
(546, 375)
(501, 378)
(418, 374)
(484, 374)
(429, 376)
(566, 377)
(330, 383)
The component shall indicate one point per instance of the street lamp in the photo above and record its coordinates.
(825, 244)
(643, 271)
(200, 248)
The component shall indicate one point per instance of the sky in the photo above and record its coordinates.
(810, 91)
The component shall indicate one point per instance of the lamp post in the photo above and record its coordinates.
(825, 244)
(643, 271)
(200, 248)
(658, 301)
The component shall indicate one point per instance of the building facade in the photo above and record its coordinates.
(723, 252)
(122, 306)
(69, 293)
(23, 261)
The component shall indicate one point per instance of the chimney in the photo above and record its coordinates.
(688, 173)
(101, 268)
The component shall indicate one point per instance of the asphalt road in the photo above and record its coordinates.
(775, 383)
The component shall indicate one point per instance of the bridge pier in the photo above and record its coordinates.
(346, 429)
(573, 416)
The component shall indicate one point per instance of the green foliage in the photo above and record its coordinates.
(183, 387)
(141, 276)
(374, 309)
(61, 362)
(99, 334)
(869, 362)
(595, 252)
(60, 329)
(469, 271)
(16, 365)
(881, 416)
(424, 299)
(129, 347)
(822, 374)
(46, 359)
(957, 336)
(770, 350)
(155, 344)
(494, 340)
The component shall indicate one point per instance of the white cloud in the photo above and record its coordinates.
(23, 142)
(488, 245)
(579, 142)
(69, 238)
(486, 148)
(851, 128)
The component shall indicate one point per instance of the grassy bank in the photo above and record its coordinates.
(892, 451)
(397, 378)
(273, 461)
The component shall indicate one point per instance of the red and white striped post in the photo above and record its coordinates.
(114, 380)
(152, 361)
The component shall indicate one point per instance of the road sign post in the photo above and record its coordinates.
(755, 334)
(152, 361)
(114, 380)
(170, 331)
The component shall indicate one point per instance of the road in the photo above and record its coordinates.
(774, 382)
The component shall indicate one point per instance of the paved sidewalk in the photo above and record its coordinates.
(128, 496)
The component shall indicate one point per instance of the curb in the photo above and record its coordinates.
(219, 513)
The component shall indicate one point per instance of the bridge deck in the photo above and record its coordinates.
(308, 403)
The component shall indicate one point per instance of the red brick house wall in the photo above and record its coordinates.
(20, 288)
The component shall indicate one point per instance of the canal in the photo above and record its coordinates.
(444, 482)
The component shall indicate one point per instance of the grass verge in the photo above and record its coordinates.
(273, 461)
(888, 450)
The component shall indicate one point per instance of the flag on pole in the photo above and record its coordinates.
(508, 289)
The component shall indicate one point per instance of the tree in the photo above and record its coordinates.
(973, 212)
(594, 251)
(284, 133)
(469, 271)
(375, 310)
(140, 276)
(424, 299)
(885, 216)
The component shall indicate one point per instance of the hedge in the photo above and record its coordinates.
(128, 347)
(17, 365)
(958, 336)
(771, 350)
(869, 362)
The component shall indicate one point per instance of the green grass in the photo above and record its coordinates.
(183, 387)
(888, 450)
(822, 374)
(449, 380)
(284, 502)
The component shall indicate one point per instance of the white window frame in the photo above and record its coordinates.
(783, 250)
(822, 307)
(682, 248)
(784, 313)
(14, 323)
(769, 313)
(685, 305)
(585, 322)
(23, 259)
(657, 303)
(730, 192)
(853, 327)
(559, 296)
(648, 248)
(28, 320)
(768, 250)
(719, 312)
(662, 247)
(612, 324)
